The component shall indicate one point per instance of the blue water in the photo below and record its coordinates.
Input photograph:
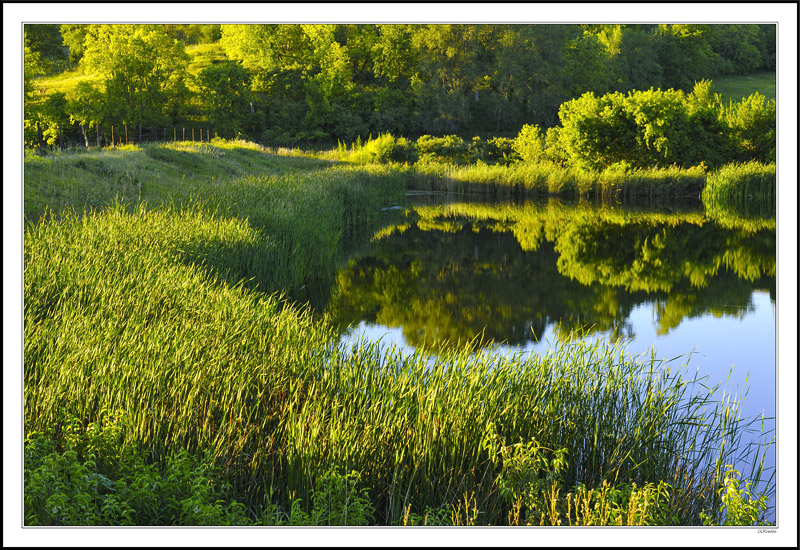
(431, 281)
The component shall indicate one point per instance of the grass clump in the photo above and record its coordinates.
(746, 189)
(385, 149)
(548, 178)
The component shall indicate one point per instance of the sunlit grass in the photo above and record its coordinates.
(150, 281)
(204, 55)
(65, 82)
(548, 178)
(156, 173)
(744, 189)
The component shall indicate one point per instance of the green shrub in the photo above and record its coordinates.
(738, 506)
(446, 149)
(383, 150)
(661, 128)
(88, 477)
(501, 151)
(529, 143)
(752, 125)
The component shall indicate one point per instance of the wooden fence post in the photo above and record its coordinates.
(184, 134)
(98, 136)
(201, 134)
(112, 135)
(174, 134)
(192, 134)
(126, 134)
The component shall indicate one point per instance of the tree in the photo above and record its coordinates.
(73, 37)
(87, 107)
(685, 54)
(587, 66)
(637, 62)
(268, 49)
(45, 41)
(742, 49)
(33, 66)
(393, 55)
(52, 116)
(144, 71)
(226, 95)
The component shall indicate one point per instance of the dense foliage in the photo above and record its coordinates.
(168, 381)
(284, 84)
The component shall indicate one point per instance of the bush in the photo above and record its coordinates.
(446, 149)
(383, 149)
(501, 151)
(662, 128)
(87, 477)
(752, 126)
(529, 143)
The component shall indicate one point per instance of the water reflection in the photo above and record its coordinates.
(694, 285)
(509, 272)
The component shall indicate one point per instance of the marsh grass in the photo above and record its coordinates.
(165, 307)
(744, 189)
(546, 178)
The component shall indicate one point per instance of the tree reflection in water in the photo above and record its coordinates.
(507, 272)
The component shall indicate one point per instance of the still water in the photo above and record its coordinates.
(518, 277)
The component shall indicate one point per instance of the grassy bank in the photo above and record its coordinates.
(494, 170)
(275, 195)
(746, 189)
(135, 308)
(541, 179)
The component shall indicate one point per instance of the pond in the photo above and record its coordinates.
(519, 276)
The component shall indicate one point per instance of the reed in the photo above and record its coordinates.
(745, 189)
(147, 308)
(548, 178)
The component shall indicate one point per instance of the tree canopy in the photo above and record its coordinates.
(290, 83)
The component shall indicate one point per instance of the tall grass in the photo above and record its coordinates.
(746, 189)
(275, 195)
(158, 174)
(142, 307)
(547, 178)
(120, 315)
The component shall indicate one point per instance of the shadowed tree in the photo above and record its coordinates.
(226, 94)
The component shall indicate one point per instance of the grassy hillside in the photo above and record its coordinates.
(734, 88)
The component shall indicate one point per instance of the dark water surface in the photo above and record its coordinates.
(520, 276)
